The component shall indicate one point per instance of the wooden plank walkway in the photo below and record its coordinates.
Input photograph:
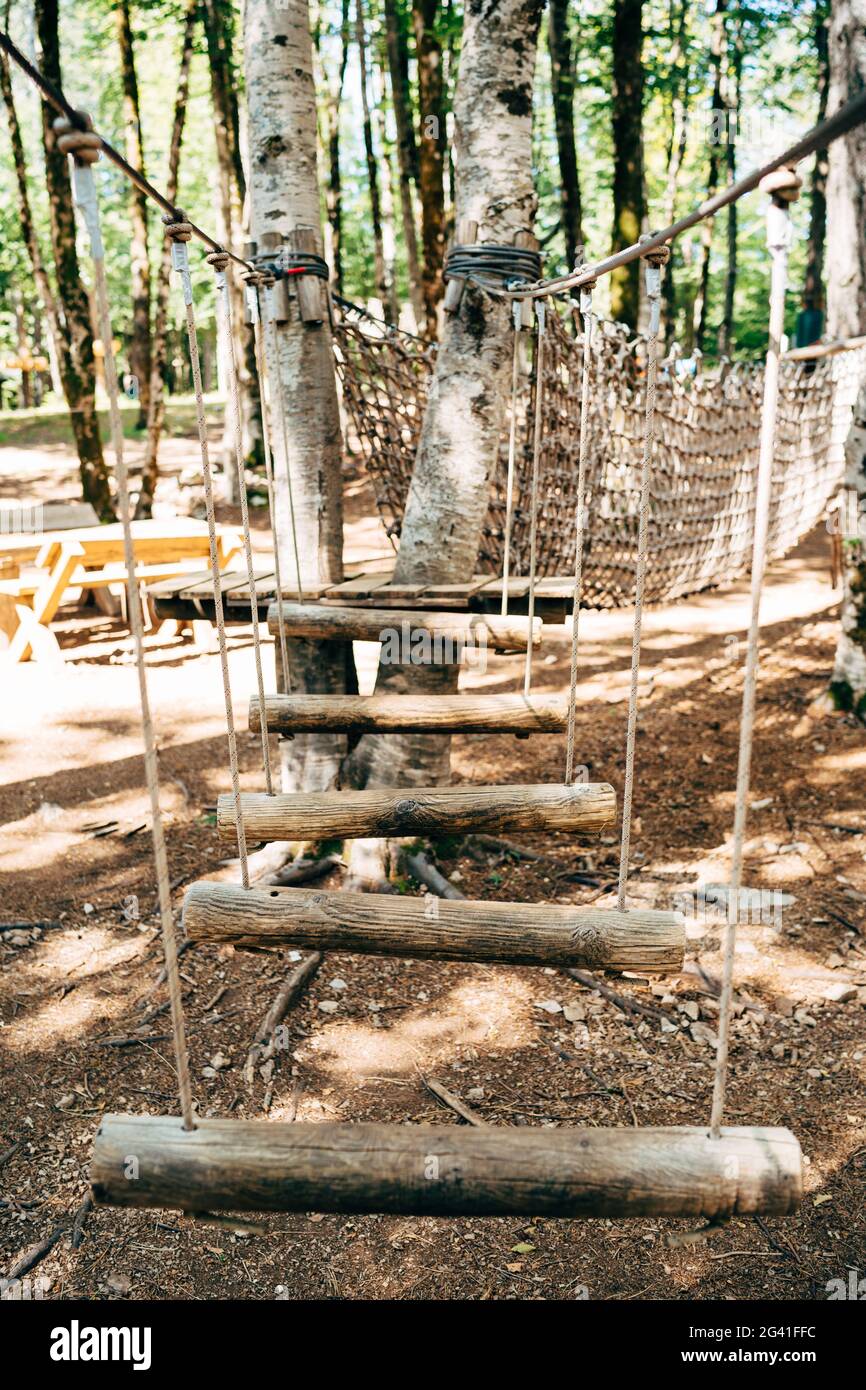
(191, 596)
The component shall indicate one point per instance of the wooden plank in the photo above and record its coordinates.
(361, 587)
(586, 806)
(301, 714)
(436, 929)
(368, 625)
(445, 1170)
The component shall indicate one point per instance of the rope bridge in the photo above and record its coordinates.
(702, 492)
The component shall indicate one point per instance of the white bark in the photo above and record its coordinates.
(284, 196)
(846, 306)
(449, 493)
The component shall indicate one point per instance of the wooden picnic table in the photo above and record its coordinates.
(91, 558)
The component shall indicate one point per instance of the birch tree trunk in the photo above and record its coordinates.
(676, 152)
(814, 298)
(734, 51)
(383, 288)
(78, 368)
(628, 177)
(846, 310)
(159, 356)
(464, 419)
(717, 133)
(407, 148)
(331, 144)
(140, 344)
(562, 83)
(284, 194)
(431, 156)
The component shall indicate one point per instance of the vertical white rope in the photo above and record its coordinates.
(580, 523)
(653, 265)
(517, 313)
(219, 261)
(180, 263)
(85, 196)
(254, 304)
(276, 380)
(778, 242)
(540, 311)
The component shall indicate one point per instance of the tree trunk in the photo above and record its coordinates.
(331, 143)
(846, 307)
(383, 285)
(156, 410)
(676, 152)
(814, 299)
(59, 346)
(140, 344)
(562, 83)
(732, 107)
(285, 197)
(407, 148)
(463, 423)
(431, 156)
(628, 177)
(78, 367)
(718, 133)
(231, 184)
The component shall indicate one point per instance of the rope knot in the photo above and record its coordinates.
(782, 184)
(176, 226)
(218, 259)
(253, 278)
(78, 140)
(658, 256)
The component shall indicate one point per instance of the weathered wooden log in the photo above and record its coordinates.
(430, 1170)
(586, 806)
(390, 714)
(436, 929)
(410, 632)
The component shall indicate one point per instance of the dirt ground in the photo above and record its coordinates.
(83, 1027)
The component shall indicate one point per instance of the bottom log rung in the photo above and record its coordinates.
(426, 1170)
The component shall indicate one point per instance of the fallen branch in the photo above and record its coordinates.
(289, 992)
(425, 872)
(303, 871)
(453, 1102)
(34, 1254)
(81, 1216)
(622, 1001)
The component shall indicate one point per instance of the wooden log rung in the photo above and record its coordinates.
(516, 714)
(434, 929)
(427, 1170)
(432, 811)
(446, 634)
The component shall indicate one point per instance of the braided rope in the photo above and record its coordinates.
(254, 281)
(779, 240)
(180, 233)
(654, 264)
(219, 260)
(275, 377)
(583, 449)
(75, 144)
(517, 311)
(540, 314)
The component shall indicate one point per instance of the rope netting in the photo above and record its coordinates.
(702, 494)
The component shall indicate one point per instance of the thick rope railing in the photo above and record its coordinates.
(179, 233)
(84, 152)
(654, 261)
(219, 260)
(580, 524)
(783, 185)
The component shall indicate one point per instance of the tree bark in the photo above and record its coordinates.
(431, 156)
(846, 311)
(562, 82)
(677, 142)
(156, 409)
(734, 52)
(628, 175)
(407, 149)
(78, 368)
(331, 143)
(140, 342)
(718, 132)
(284, 194)
(56, 329)
(384, 285)
(463, 422)
(814, 297)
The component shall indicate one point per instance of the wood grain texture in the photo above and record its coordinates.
(586, 806)
(249, 1165)
(436, 929)
(368, 624)
(301, 714)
